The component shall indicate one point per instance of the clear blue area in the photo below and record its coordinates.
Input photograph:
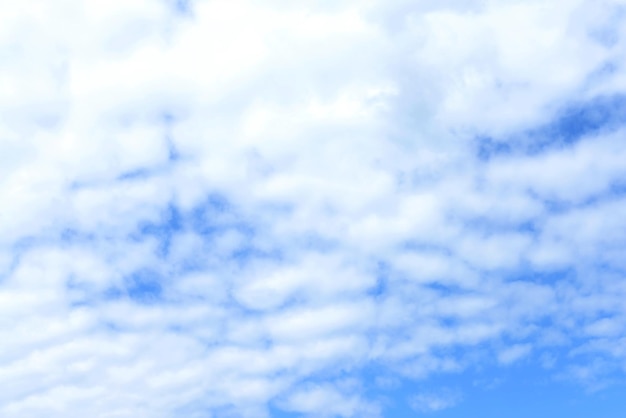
(574, 122)
(518, 391)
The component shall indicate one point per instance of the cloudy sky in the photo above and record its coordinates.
(313, 208)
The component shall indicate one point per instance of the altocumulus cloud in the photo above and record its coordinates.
(240, 208)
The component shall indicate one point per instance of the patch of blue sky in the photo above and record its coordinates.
(74, 236)
(173, 154)
(522, 389)
(549, 275)
(215, 218)
(617, 187)
(488, 148)
(26, 243)
(381, 286)
(600, 115)
(163, 229)
(276, 412)
(216, 214)
(144, 286)
(182, 7)
(608, 37)
(487, 226)
(112, 293)
(249, 253)
(571, 124)
(215, 211)
(137, 174)
(531, 227)
(394, 390)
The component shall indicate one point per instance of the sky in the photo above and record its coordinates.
(314, 208)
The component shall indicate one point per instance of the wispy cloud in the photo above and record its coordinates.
(435, 401)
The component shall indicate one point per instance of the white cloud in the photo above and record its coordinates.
(435, 401)
(204, 212)
(323, 401)
(514, 353)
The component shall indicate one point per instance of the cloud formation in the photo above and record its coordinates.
(236, 208)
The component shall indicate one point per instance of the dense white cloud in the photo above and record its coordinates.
(214, 208)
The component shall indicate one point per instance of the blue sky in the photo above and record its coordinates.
(265, 209)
